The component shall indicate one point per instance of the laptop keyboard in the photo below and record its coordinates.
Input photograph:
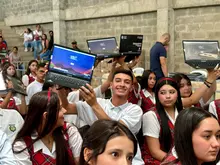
(65, 81)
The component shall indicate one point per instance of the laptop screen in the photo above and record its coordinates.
(102, 45)
(72, 63)
(131, 44)
(201, 50)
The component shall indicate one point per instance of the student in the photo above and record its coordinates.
(6, 154)
(11, 100)
(116, 108)
(30, 74)
(15, 58)
(37, 85)
(158, 124)
(44, 137)
(45, 54)
(28, 38)
(108, 142)
(202, 95)
(197, 139)
(214, 108)
(37, 41)
(146, 95)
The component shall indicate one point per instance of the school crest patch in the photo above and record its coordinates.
(12, 127)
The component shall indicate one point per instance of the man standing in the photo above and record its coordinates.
(158, 55)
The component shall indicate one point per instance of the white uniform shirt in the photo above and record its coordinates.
(151, 125)
(74, 97)
(128, 113)
(10, 122)
(75, 144)
(212, 109)
(33, 88)
(148, 95)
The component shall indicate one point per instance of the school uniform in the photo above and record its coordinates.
(152, 127)
(37, 153)
(10, 122)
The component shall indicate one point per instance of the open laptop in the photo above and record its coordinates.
(201, 53)
(18, 86)
(130, 46)
(103, 47)
(70, 68)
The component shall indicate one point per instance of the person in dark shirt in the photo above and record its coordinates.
(74, 45)
(158, 55)
(51, 40)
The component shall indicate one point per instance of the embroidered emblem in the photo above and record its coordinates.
(12, 127)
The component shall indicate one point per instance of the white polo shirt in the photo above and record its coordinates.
(75, 144)
(33, 88)
(212, 109)
(129, 113)
(10, 122)
(151, 126)
(148, 95)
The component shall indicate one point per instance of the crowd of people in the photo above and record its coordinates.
(150, 119)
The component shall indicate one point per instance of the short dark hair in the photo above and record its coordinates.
(41, 65)
(123, 71)
(15, 47)
(100, 133)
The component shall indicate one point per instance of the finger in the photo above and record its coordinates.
(83, 94)
(85, 90)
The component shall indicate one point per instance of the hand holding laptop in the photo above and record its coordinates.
(88, 95)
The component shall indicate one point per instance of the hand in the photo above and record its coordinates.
(134, 62)
(213, 74)
(10, 85)
(88, 94)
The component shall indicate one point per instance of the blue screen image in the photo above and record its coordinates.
(72, 63)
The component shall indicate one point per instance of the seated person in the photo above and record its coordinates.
(116, 144)
(3, 46)
(6, 154)
(196, 139)
(15, 58)
(45, 138)
(201, 95)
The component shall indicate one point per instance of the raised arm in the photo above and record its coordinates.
(163, 63)
(201, 91)
(71, 108)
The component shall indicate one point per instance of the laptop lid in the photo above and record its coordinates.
(72, 63)
(130, 45)
(103, 46)
(201, 50)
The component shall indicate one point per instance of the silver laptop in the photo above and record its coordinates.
(70, 68)
(201, 53)
(104, 47)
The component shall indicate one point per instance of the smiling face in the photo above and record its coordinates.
(167, 96)
(206, 140)
(121, 85)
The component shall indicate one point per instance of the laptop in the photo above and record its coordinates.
(70, 68)
(130, 46)
(104, 47)
(201, 53)
(18, 86)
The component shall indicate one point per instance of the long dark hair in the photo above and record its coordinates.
(99, 134)
(145, 77)
(179, 76)
(28, 69)
(39, 104)
(186, 123)
(5, 74)
(166, 136)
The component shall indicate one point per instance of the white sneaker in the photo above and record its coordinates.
(25, 49)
